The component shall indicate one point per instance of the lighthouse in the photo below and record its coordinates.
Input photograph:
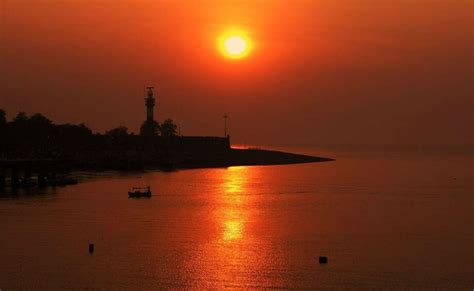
(149, 127)
(150, 104)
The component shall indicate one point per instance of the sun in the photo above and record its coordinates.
(234, 44)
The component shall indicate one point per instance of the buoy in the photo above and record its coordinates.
(91, 248)
(323, 260)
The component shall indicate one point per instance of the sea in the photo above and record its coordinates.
(385, 218)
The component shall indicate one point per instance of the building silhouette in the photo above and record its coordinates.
(150, 127)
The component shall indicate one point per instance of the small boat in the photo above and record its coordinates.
(138, 192)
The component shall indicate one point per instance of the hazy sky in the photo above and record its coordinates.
(321, 72)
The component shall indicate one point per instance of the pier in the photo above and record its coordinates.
(18, 173)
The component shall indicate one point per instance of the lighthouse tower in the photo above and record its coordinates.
(149, 127)
(150, 104)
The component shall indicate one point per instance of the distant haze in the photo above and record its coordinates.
(321, 72)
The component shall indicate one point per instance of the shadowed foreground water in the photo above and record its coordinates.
(396, 220)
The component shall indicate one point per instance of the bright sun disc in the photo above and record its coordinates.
(234, 44)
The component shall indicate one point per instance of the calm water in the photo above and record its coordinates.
(385, 219)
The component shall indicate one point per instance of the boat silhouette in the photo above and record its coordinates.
(138, 192)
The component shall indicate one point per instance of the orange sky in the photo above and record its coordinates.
(321, 72)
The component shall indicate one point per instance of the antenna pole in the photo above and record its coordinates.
(225, 124)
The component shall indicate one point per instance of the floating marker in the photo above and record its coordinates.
(323, 260)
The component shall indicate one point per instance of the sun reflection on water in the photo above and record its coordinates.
(232, 247)
(235, 179)
(233, 230)
(232, 214)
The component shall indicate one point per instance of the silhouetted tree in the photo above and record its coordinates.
(168, 128)
(17, 131)
(39, 120)
(38, 136)
(20, 118)
(117, 136)
(3, 118)
(39, 129)
(80, 130)
(3, 126)
(3, 122)
(72, 135)
(119, 131)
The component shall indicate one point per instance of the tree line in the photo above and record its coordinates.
(37, 135)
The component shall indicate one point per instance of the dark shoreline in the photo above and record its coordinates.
(27, 173)
(178, 160)
(23, 172)
(251, 157)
